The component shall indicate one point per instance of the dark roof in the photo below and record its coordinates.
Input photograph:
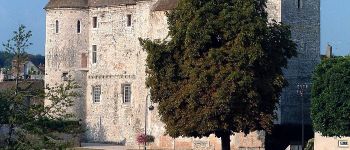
(67, 4)
(99, 3)
(87, 3)
(7, 85)
(164, 5)
(24, 85)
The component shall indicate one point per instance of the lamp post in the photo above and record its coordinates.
(146, 114)
(301, 91)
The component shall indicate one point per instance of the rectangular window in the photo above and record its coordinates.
(126, 93)
(65, 76)
(94, 22)
(96, 94)
(94, 54)
(299, 4)
(128, 20)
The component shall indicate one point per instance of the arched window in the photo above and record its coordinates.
(57, 26)
(78, 26)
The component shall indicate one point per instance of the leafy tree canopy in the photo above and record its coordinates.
(221, 72)
(330, 105)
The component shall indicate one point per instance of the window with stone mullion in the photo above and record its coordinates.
(126, 93)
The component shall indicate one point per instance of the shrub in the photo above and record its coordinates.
(142, 138)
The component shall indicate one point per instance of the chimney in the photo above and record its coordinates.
(329, 51)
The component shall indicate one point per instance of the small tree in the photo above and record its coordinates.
(221, 72)
(38, 126)
(17, 46)
(330, 105)
(142, 138)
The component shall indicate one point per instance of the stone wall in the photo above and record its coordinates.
(120, 60)
(330, 143)
(274, 10)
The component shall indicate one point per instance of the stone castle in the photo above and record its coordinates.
(96, 43)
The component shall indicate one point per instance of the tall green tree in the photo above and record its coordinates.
(221, 72)
(330, 103)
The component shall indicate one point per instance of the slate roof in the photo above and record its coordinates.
(164, 5)
(67, 4)
(87, 3)
(161, 5)
(99, 3)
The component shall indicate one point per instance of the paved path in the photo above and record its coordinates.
(99, 146)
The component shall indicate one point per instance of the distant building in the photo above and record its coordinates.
(2, 75)
(5, 74)
(27, 70)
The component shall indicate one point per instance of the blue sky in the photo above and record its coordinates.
(335, 23)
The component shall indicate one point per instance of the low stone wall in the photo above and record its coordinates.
(331, 143)
(239, 141)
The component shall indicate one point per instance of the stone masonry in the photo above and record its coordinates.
(120, 60)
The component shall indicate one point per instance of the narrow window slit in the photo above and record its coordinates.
(78, 26)
(128, 20)
(57, 26)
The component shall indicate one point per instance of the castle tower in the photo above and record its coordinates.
(66, 46)
(96, 42)
(303, 16)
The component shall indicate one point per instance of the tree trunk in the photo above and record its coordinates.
(225, 141)
(9, 139)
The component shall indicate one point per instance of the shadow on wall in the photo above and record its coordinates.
(97, 134)
(284, 135)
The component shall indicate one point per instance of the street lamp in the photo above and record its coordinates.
(151, 107)
(301, 91)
